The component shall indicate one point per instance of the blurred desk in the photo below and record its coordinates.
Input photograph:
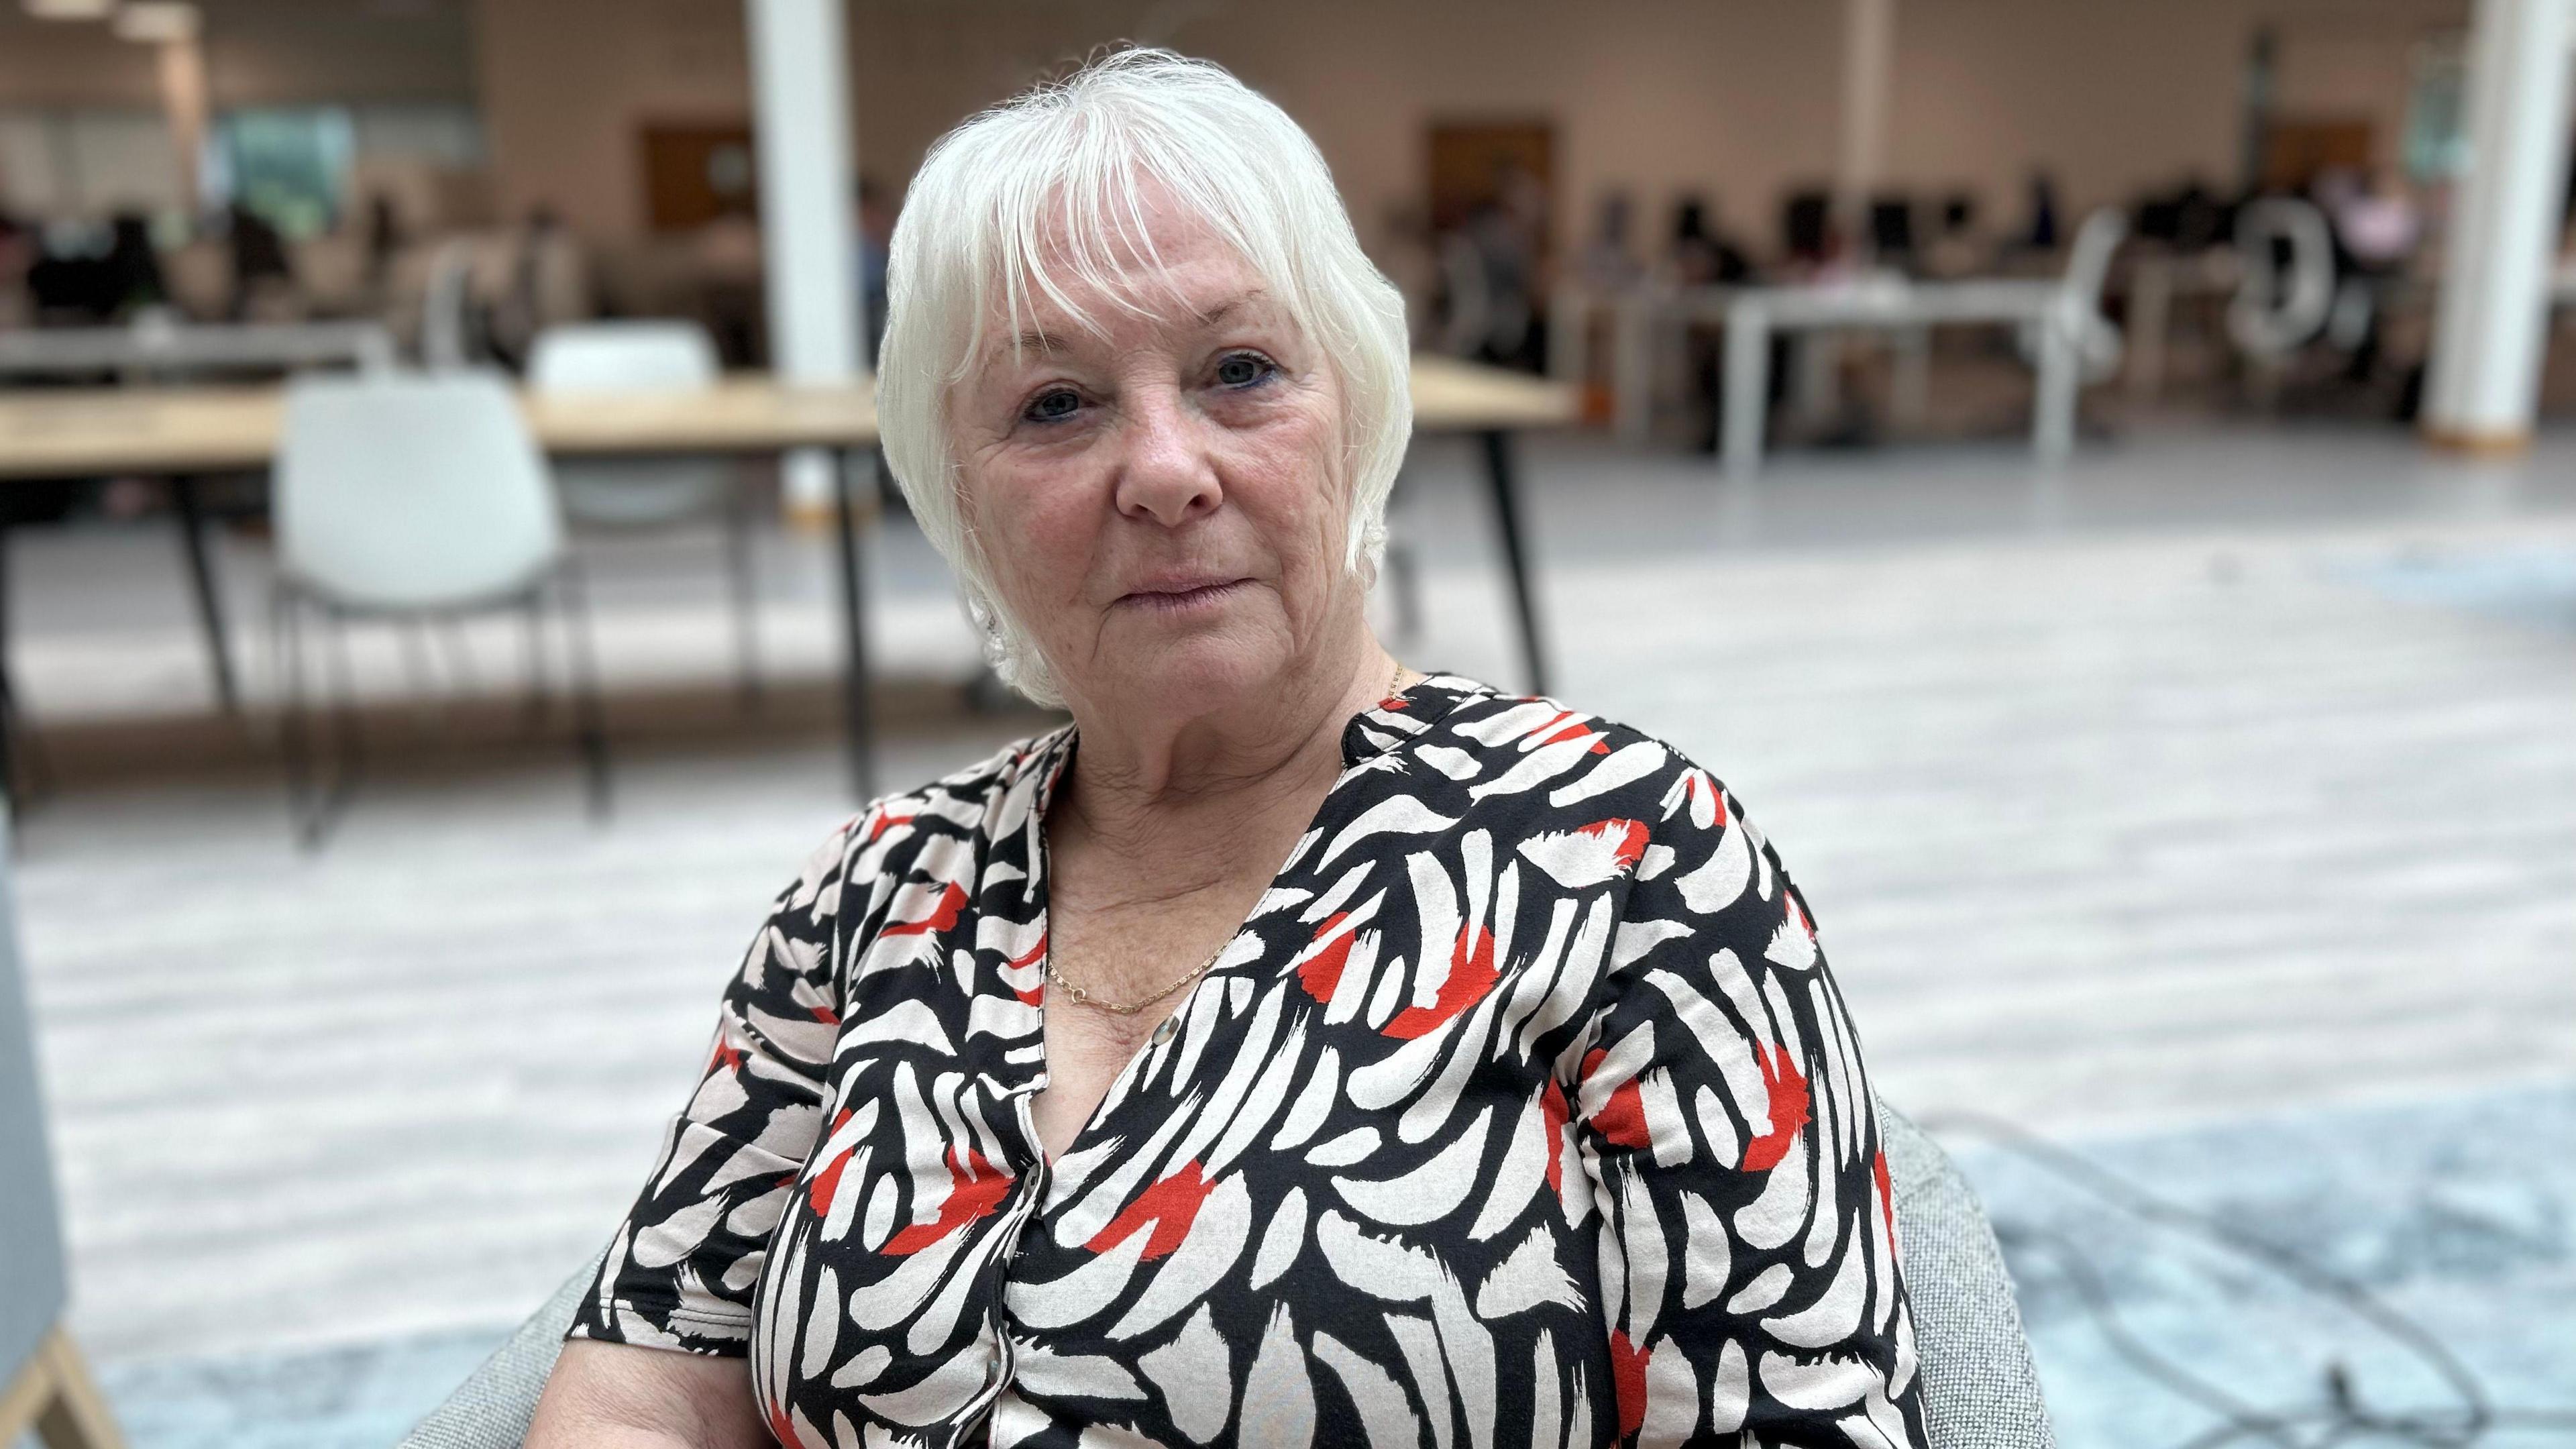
(1640, 317)
(2155, 278)
(1450, 396)
(84, 432)
(182, 433)
(174, 347)
(1756, 312)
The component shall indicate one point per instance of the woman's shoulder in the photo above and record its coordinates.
(991, 796)
(1497, 743)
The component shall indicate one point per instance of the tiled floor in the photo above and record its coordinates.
(2226, 774)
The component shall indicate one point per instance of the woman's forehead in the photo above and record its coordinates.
(1189, 279)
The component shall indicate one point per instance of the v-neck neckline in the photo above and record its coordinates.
(1389, 721)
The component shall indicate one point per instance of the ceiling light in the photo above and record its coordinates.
(70, 9)
(156, 20)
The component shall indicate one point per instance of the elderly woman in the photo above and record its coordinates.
(1294, 1048)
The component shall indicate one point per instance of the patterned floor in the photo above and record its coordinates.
(2211, 806)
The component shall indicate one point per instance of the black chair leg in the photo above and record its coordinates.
(1404, 580)
(331, 801)
(294, 738)
(589, 715)
(1403, 573)
(30, 770)
(534, 616)
(307, 806)
(746, 597)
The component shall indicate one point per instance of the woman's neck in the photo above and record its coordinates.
(1144, 782)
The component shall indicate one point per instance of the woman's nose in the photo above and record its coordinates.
(1166, 474)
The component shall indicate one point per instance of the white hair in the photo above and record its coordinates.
(1056, 178)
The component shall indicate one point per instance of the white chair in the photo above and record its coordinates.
(2276, 313)
(2088, 272)
(2077, 306)
(635, 493)
(416, 498)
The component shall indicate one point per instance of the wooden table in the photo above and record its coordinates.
(1450, 396)
(185, 433)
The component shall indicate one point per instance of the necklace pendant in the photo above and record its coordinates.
(1164, 1030)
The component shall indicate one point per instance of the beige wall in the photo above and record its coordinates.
(255, 55)
(566, 83)
(1734, 97)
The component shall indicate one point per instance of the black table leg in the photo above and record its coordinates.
(1499, 474)
(8, 690)
(201, 575)
(856, 724)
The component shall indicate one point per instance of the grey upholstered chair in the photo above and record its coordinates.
(1979, 1390)
(43, 1383)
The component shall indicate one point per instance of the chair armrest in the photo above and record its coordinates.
(491, 1409)
(1980, 1390)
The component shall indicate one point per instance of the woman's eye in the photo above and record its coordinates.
(1242, 369)
(1053, 405)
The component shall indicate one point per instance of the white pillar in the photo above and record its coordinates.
(182, 65)
(801, 111)
(2491, 323)
(1869, 59)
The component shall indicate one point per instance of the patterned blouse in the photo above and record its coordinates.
(1521, 1110)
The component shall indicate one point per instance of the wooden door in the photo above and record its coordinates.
(1472, 161)
(697, 172)
(2296, 150)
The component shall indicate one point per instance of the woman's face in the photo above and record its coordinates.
(1164, 508)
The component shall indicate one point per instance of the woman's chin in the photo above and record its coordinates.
(1200, 670)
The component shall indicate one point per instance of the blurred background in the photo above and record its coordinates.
(2098, 478)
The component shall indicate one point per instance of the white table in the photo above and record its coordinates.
(182, 347)
(1893, 304)
(1640, 318)
(2155, 279)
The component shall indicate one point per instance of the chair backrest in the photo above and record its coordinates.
(1980, 1390)
(2088, 262)
(638, 356)
(33, 1284)
(2273, 315)
(631, 357)
(413, 492)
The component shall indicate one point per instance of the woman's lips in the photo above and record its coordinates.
(1182, 597)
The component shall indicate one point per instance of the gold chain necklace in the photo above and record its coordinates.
(1083, 997)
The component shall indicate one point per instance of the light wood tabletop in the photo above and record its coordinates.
(72, 432)
(1450, 396)
(77, 432)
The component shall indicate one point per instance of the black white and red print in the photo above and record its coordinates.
(1521, 1111)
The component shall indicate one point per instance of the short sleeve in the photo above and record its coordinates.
(1748, 1250)
(682, 1268)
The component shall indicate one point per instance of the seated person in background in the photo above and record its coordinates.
(2376, 223)
(1957, 248)
(1610, 264)
(18, 252)
(263, 274)
(1294, 1045)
